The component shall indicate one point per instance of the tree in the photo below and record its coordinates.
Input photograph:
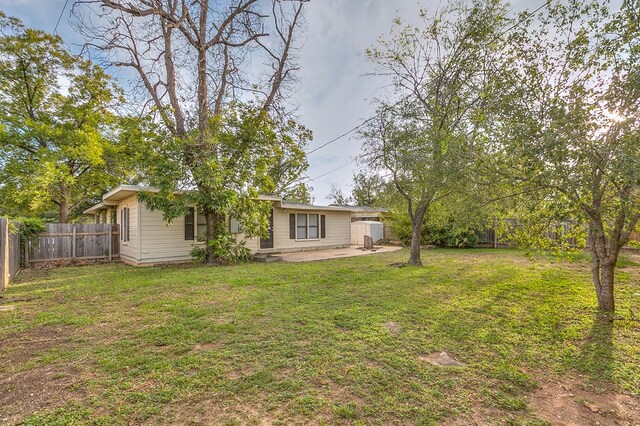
(58, 131)
(568, 129)
(426, 141)
(368, 189)
(192, 61)
(337, 197)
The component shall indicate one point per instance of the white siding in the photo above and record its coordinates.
(130, 251)
(338, 232)
(163, 242)
(155, 241)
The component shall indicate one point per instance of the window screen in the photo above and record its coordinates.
(188, 224)
(202, 225)
(301, 233)
(314, 226)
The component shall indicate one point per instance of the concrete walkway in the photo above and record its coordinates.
(310, 256)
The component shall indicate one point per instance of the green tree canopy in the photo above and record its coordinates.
(567, 132)
(426, 142)
(58, 132)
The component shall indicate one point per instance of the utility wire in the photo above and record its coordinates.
(55, 30)
(330, 171)
(517, 24)
(348, 132)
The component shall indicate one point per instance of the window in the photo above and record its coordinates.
(188, 224)
(304, 226)
(314, 226)
(301, 233)
(234, 225)
(195, 225)
(202, 225)
(124, 224)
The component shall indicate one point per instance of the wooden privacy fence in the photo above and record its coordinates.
(9, 252)
(63, 241)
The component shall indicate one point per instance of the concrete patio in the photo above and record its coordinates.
(310, 256)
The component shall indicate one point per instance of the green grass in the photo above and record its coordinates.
(307, 343)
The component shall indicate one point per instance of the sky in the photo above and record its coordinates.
(335, 91)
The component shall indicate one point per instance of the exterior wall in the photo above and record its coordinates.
(163, 242)
(154, 241)
(130, 250)
(338, 232)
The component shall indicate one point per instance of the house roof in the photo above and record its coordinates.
(101, 205)
(300, 206)
(121, 192)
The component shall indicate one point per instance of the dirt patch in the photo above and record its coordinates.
(53, 264)
(393, 328)
(217, 410)
(569, 403)
(37, 389)
(206, 347)
(23, 346)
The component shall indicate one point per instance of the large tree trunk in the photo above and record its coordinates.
(416, 236)
(215, 228)
(63, 206)
(63, 212)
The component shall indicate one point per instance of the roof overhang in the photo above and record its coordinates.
(124, 191)
(100, 206)
(306, 207)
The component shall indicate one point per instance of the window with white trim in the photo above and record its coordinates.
(124, 224)
(307, 226)
(195, 225)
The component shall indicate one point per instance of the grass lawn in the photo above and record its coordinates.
(332, 342)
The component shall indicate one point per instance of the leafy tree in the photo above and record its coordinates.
(195, 61)
(568, 132)
(337, 196)
(426, 141)
(58, 131)
(249, 144)
(368, 189)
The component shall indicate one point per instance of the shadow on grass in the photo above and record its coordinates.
(596, 354)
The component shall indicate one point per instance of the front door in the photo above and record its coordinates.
(267, 243)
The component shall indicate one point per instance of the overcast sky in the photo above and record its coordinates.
(334, 94)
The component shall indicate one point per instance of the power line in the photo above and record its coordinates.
(55, 30)
(343, 135)
(330, 171)
(348, 132)
(358, 126)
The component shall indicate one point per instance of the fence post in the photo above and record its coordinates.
(495, 234)
(73, 245)
(110, 238)
(4, 253)
(26, 252)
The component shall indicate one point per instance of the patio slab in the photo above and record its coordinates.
(310, 256)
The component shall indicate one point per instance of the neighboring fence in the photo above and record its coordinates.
(63, 241)
(490, 238)
(9, 252)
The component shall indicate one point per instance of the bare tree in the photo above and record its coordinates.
(191, 60)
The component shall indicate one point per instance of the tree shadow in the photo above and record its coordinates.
(596, 353)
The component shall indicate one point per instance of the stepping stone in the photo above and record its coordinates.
(442, 359)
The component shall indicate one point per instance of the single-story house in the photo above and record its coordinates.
(145, 238)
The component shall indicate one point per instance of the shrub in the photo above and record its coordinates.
(445, 234)
(226, 250)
